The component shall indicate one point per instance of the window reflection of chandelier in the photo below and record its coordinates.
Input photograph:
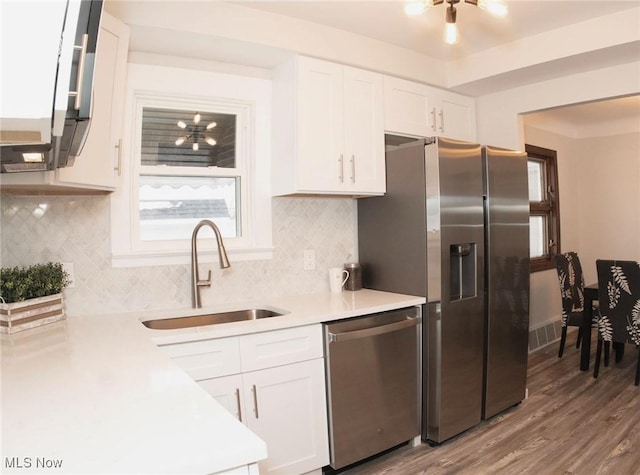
(196, 132)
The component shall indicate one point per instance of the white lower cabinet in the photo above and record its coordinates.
(227, 390)
(246, 470)
(279, 393)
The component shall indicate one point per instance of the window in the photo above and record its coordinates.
(189, 171)
(544, 217)
(196, 146)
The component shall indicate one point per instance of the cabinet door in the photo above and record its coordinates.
(287, 409)
(364, 131)
(407, 108)
(227, 391)
(320, 155)
(98, 163)
(456, 117)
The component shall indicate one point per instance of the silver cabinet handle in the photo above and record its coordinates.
(80, 76)
(441, 114)
(119, 163)
(353, 168)
(239, 405)
(367, 332)
(341, 176)
(433, 119)
(255, 400)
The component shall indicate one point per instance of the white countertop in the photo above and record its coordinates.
(97, 394)
(299, 310)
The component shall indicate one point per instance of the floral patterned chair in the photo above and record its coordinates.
(619, 295)
(571, 282)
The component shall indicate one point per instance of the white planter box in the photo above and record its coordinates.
(18, 316)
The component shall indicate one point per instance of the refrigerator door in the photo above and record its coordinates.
(455, 323)
(507, 274)
(392, 228)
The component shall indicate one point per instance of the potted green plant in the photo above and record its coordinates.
(31, 296)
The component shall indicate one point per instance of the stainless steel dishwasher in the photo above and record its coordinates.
(372, 383)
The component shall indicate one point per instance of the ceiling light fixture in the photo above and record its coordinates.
(195, 132)
(495, 7)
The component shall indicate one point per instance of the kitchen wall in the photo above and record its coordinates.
(608, 199)
(76, 229)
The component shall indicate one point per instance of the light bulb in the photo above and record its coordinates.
(182, 125)
(450, 33)
(196, 118)
(195, 146)
(450, 28)
(417, 8)
(209, 140)
(211, 125)
(181, 140)
(495, 7)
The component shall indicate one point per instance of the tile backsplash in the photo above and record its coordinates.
(77, 230)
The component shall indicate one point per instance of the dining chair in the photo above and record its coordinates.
(619, 294)
(571, 282)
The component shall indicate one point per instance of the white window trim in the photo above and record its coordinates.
(158, 86)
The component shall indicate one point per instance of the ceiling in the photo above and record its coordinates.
(619, 115)
(386, 21)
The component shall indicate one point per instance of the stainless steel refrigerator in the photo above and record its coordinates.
(454, 227)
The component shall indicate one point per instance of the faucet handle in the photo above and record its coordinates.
(205, 283)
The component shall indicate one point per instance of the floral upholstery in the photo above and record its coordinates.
(571, 282)
(619, 295)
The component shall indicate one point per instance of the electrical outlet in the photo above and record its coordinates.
(68, 267)
(309, 260)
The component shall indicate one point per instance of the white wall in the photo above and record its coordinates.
(497, 115)
(545, 304)
(608, 175)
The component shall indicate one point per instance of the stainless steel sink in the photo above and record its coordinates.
(210, 319)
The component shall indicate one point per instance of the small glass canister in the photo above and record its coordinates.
(354, 281)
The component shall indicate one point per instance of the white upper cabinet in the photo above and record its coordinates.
(419, 110)
(328, 129)
(407, 107)
(99, 163)
(96, 169)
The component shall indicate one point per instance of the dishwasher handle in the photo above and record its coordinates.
(373, 331)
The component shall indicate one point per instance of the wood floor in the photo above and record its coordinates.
(570, 424)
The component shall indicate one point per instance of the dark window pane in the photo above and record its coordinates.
(188, 139)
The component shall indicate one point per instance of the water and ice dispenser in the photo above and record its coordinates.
(463, 271)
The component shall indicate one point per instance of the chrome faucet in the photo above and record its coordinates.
(195, 276)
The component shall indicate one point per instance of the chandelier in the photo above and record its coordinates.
(196, 132)
(495, 7)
